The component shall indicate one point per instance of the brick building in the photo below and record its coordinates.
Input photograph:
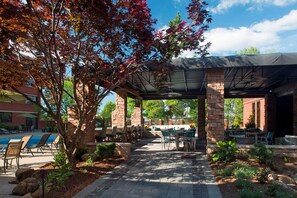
(21, 113)
(254, 107)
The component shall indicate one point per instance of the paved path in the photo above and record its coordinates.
(152, 173)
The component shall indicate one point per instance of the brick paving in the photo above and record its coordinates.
(151, 172)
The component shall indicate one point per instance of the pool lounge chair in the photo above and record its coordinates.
(41, 144)
(12, 151)
(25, 141)
(55, 144)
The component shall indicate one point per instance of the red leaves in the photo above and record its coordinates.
(182, 36)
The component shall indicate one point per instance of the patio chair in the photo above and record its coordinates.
(55, 144)
(12, 151)
(25, 140)
(111, 136)
(166, 139)
(41, 144)
(268, 139)
(189, 140)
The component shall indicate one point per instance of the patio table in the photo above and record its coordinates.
(255, 134)
(178, 135)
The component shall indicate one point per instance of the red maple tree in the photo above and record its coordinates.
(97, 43)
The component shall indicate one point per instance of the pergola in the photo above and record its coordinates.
(272, 76)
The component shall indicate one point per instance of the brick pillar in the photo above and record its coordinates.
(215, 105)
(160, 122)
(86, 95)
(170, 122)
(270, 113)
(119, 115)
(149, 123)
(295, 111)
(181, 121)
(201, 118)
(136, 117)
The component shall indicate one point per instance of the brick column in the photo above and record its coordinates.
(119, 115)
(295, 111)
(201, 118)
(215, 105)
(270, 113)
(86, 96)
(160, 122)
(136, 117)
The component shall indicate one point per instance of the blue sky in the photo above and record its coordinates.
(268, 25)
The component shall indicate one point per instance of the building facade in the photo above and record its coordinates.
(254, 110)
(21, 114)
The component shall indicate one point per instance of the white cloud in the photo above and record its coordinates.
(266, 35)
(224, 5)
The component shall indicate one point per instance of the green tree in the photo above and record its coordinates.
(193, 104)
(107, 110)
(154, 109)
(233, 111)
(251, 50)
(176, 108)
(130, 106)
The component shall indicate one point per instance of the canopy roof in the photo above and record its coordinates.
(245, 76)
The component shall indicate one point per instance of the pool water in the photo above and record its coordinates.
(34, 139)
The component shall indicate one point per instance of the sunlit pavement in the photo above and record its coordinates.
(154, 172)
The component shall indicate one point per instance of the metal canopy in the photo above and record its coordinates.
(245, 76)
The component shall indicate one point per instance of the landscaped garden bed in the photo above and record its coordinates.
(253, 174)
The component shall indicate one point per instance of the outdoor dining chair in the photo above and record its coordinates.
(12, 151)
(111, 136)
(166, 139)
(189, 140)
(41, 144)
(268, 139)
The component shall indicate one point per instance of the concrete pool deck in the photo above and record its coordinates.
(27, 161)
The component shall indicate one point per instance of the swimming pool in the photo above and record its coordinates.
(34, 140)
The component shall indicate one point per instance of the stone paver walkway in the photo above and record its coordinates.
(152, 173)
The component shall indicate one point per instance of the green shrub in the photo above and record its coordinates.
(244, 184)
(105, 150)
(225, 172)
(282, 194)
(243, 171)
(272, 188)
(248, 193)
(89, 161)
(60, 159)
(251, 122)
(226, 152)
(80, 152)
(287, 159)
(58, 178)
(261, 153)
(262, 175)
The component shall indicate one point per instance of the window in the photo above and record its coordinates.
(5, 116)
(34, 98)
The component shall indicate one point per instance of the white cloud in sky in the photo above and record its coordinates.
(266, 35)
(224, 5)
